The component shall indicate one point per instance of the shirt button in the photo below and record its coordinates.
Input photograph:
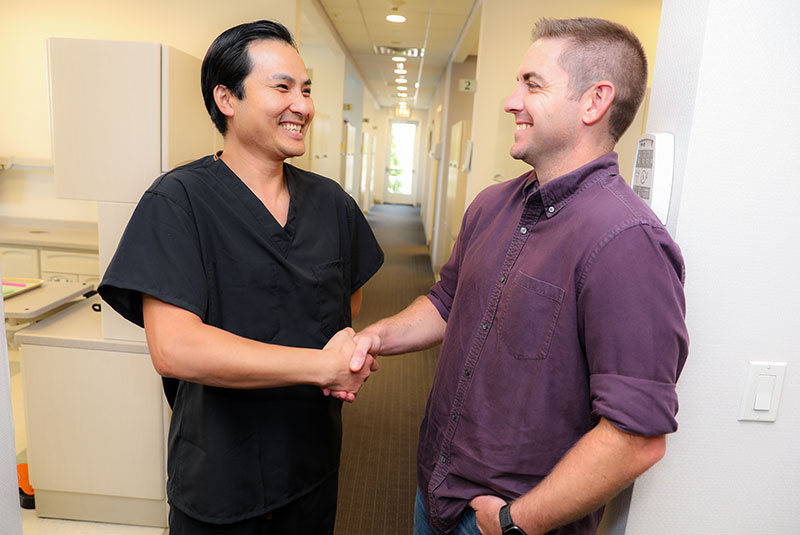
(502, 278)
(443, 459)
(523, 230)
(453, 416)
(551, 209)
(485, 326)
(467, 372)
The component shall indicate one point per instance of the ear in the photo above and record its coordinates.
(225, 100)
(596, 102)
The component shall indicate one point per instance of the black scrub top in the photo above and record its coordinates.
(201, 240)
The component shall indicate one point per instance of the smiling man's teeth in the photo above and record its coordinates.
(291, 127)
(523, 126)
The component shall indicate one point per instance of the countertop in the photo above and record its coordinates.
(49, 233)
(77, 326)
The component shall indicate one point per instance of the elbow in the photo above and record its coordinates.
(162, 355)
(651, 450)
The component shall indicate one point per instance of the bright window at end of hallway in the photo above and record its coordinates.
(401, 159)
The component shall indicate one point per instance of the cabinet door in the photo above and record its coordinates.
(19, 262)
(105, 117)
(94, 421)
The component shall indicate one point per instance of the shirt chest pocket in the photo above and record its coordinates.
(332, 297)
(527, 316)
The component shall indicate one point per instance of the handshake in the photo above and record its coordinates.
(350, 359)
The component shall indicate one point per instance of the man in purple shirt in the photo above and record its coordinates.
(560, 312)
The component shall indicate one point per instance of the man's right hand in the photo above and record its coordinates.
(344, 381)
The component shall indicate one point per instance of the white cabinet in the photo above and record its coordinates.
(96, 422)
(19, 262)
(121, 113)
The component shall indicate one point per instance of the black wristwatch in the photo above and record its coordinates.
(507, 525)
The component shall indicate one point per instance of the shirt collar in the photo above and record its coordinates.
(556, 193)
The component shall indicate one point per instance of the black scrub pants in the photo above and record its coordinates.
(313, 513)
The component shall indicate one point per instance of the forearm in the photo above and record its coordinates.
(600, 465)
(182, 346)
(418, 326)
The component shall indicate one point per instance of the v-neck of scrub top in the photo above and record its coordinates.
(281, 236)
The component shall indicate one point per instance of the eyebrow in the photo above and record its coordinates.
(532, 75)
(288, 78)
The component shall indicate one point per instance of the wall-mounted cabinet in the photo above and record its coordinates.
(122, 113)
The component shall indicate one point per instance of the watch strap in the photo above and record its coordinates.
(507, 525)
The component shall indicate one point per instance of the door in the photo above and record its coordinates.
(349, 158)
(400, 183)
(362, 193)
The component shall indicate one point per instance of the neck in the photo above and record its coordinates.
(256, 172)
(555, 167)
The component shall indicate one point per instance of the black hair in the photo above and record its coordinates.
(227, 61)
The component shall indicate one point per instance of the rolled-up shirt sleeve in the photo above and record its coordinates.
(631, 312)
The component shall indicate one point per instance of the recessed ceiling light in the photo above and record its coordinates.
(398, 59)
(400, 71)
(402, 95)
(400, 81)
(402, 88)
(395, 18)
(416, 85)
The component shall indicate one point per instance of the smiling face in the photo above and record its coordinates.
(548, 118)
(272, 117)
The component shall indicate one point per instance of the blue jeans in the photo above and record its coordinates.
(467, 524)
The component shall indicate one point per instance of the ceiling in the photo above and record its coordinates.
(433, 27)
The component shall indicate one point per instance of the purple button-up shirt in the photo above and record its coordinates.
(564, 304)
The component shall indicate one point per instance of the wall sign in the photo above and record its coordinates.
(467, 85)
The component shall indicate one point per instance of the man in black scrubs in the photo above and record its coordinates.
(245, 273)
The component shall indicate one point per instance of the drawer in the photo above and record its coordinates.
(70, 262)
(19, 262)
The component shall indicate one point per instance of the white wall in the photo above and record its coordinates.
(10, 520)
(189, 25)
(503, 41)
(727, 72)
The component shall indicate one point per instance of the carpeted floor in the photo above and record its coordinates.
(377, 481)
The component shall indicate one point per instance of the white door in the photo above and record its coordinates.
(400, 184)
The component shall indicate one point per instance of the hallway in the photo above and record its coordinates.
(377, 481)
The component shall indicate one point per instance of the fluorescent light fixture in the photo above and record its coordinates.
(400, 71)
(402, 88)
(395, 18)
(400, 81)
(404, 95)
(398, 59)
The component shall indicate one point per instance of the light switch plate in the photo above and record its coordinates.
(762, 389)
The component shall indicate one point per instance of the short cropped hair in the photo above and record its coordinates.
(227, 62)
(597, 50)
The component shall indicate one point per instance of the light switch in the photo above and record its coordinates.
(765, 384)
(762, 391)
